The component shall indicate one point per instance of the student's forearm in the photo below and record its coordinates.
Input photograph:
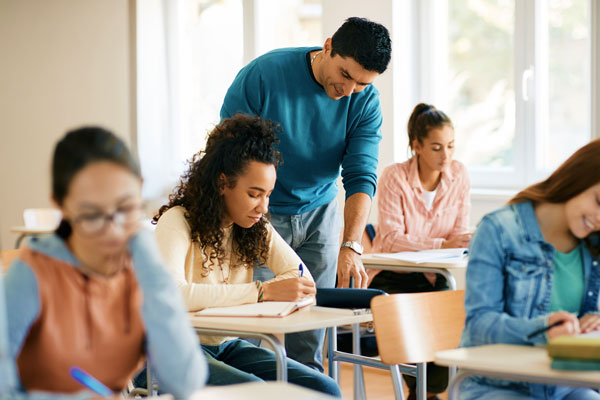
(356, 213)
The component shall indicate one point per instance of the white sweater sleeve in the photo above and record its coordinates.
(175, 244)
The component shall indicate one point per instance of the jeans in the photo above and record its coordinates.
(315, 237)
(257, 363)
(415, 282)
(238, 361)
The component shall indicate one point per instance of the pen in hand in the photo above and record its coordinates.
(90, 382)
(301, 268)
(545, 329)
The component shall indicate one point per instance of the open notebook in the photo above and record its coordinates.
(424, 256)
(264, 309)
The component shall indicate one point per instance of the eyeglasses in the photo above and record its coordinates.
(96, 223)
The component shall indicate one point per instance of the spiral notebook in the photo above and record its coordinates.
(272, 309)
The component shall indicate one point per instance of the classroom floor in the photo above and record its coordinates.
(378, 384)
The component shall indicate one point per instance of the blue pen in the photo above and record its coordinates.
(301, 268)
(90, 382)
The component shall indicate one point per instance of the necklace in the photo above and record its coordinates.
(312, 60)
(225, 279)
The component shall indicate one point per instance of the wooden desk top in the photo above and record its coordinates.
(259, 391)
(523, 361)
(306, 319)
(372, 261)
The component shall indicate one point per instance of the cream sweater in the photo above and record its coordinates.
(184, 259)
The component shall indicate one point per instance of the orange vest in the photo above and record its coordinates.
(89, 322)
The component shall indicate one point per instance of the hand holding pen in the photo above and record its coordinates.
(560, 323)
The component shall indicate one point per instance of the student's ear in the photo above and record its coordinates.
(416, 146)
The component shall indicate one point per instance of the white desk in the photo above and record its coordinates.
(23, 231)
(259, 391)
(511, 362)
(442, 267)
(269, 328)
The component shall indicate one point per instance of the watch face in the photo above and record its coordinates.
(357, 247)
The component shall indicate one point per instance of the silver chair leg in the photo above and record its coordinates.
(397, 382)
(421, 381)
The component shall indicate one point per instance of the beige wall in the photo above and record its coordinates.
(63, 63)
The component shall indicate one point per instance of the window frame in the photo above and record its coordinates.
(530, 53)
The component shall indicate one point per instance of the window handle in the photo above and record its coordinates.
(526, 77)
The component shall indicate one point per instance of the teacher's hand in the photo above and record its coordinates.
(350, 265)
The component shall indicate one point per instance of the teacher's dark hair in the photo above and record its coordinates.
(367, 42)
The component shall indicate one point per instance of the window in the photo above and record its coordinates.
(189, 52)
(515, 78)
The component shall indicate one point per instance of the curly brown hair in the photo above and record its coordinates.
(230, 147)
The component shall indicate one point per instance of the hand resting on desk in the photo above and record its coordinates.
(457, 241)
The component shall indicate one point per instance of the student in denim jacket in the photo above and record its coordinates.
(533, 263)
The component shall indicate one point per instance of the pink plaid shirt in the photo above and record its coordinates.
(404, 223)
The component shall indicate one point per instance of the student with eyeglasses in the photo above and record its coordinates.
(95, 295)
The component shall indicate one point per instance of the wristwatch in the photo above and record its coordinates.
(357, 247)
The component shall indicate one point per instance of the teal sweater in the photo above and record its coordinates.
(320, 135)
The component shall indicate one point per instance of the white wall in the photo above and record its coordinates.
(63, 63)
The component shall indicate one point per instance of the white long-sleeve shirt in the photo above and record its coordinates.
(185, 260)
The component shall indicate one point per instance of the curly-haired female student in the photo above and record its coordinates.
(214, 232)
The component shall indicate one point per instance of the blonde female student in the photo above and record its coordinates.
(534, 263)
(213, 233)
(95, 295)
(423, 203)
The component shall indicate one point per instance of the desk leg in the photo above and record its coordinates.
(449, 278)
(19, 240)
(454, 385)
(331, 347)
(280, 356)
(278, 348)
(359, 382)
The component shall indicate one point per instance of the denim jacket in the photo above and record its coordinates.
(509, 283)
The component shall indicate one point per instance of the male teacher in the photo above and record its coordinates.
(329, 112)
